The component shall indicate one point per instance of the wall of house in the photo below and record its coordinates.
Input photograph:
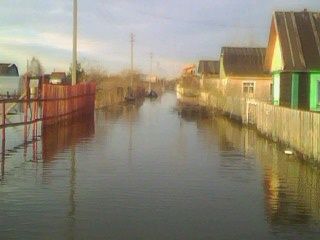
(9, 84)
(277, 62)
(314, 91)
(276, 88)
(222, 71)
(234, 88)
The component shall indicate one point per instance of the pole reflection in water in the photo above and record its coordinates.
(72, 201)
(61, 137)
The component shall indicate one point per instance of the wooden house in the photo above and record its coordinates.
(208, 71)
(58, 78)
(242, 73)
(10, 83)
(293, 58)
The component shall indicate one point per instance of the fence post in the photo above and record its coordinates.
(3, 121)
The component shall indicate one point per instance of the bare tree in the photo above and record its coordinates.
(35, 67)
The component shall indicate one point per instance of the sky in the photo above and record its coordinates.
(176, 32)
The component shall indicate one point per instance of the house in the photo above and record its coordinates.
(189, 70)
(209, 71)
(10, 83)
(293, 58)
(242, 73)
(58, 78)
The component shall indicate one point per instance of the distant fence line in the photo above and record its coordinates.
(295, 128)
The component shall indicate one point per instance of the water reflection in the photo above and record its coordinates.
(291, 185)
(64, 138)
(145, 172)
(57, 138)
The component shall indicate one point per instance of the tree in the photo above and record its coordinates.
(35, 68)
(81, 74)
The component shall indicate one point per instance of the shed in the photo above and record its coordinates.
(242, 72)
(293, 58)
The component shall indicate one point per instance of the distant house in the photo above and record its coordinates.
(9, 80)
(208, 71)
(58, 78)
(293, 58)
(242, 73)
(189, 70)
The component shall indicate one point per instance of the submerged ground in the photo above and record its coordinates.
(145, 172)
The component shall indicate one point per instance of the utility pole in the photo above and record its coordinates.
(75, 35)
(131, 72)
(151, 58)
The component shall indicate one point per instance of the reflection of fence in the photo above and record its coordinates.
(56, 138)
(50, 105)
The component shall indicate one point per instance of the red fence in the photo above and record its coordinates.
(62, 102)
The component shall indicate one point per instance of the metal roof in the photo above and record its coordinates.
(58, 75)
(244, 62)
(299, 37)
(209, 67)
(8, 69)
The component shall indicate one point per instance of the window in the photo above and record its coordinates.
(248, 87)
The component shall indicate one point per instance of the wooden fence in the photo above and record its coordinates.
(61, 102)
(299, 130)
(55, 103)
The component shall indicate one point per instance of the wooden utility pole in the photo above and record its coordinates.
(131, 72)
(151, 70)
(75, 35)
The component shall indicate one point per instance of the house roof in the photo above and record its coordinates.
(299, 37)
(58, 75)
(209, 67)
(7, 69)
(243, 62)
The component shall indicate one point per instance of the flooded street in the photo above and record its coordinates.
(144, 172)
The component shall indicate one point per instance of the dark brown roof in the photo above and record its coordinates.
(7, 69)
(58, 75)
(244, 62)
(209, 67)
(299, 36)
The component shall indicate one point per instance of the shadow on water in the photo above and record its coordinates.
(291, 185)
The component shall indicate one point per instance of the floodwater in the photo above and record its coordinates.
(145, 172)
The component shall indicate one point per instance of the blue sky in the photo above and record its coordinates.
(177, 32)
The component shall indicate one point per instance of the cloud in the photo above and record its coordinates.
(176, 31)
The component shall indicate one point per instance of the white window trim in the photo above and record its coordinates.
(254, 86)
